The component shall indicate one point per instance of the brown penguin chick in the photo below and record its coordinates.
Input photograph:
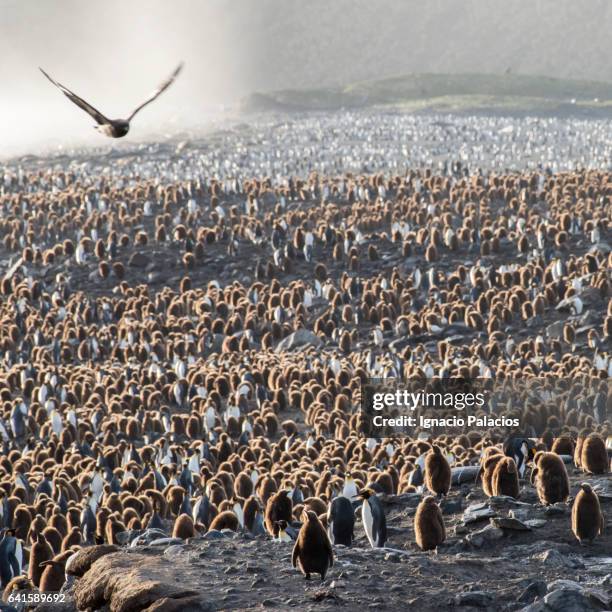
(563, 445)
(587, 517)
(101, 519)
(54, 575)
(316, 504)
(505, 479)
(243, 485)
(582, 436)
(437, 471)
(19, 583)
(594, 455)
(266, 487)
(278, 508)
(183, 527)
(73, 538)
(429, 530)
(487, 470)
(54, 537)
(37, 525)
(225, 520)
(548, 438)
(112, 528)
(385, 482)
(550, 478)
(40, 552)
(175, 496)
(21, 521)
(250, 509)
(312, 551)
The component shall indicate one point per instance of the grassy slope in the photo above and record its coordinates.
(448, 92)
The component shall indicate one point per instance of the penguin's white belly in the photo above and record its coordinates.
(521, 469)
(368, 522)
(349, 490)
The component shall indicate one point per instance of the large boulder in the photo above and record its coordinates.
(82, 560)
(130, 582)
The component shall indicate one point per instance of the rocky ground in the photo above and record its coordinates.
(500, 554)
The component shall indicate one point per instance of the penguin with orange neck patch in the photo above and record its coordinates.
(373, 518)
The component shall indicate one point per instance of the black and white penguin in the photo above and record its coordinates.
(373, 518)
(11, 557)
(88, 520)
(286, 533)
(341, 521)
(521, 450)
(202, 510)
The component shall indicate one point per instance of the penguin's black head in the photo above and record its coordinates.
(365, 494)
(586, 487)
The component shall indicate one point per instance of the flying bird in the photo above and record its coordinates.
(113, 128)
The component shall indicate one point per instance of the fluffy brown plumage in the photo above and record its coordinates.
(312, 551)
(587, 517)
(550, 478)
(437, 471)
(429, 530)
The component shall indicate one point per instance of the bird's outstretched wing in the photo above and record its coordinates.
(158, 91)
(88, 108)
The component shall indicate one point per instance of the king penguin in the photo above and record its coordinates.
(11, 557)
(521, 450)
(373, 517)
(341, 521)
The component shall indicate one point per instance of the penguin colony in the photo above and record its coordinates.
(138, 391)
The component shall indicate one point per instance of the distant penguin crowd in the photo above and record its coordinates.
(184, 353)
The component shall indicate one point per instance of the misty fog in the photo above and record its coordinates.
(113, 53)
